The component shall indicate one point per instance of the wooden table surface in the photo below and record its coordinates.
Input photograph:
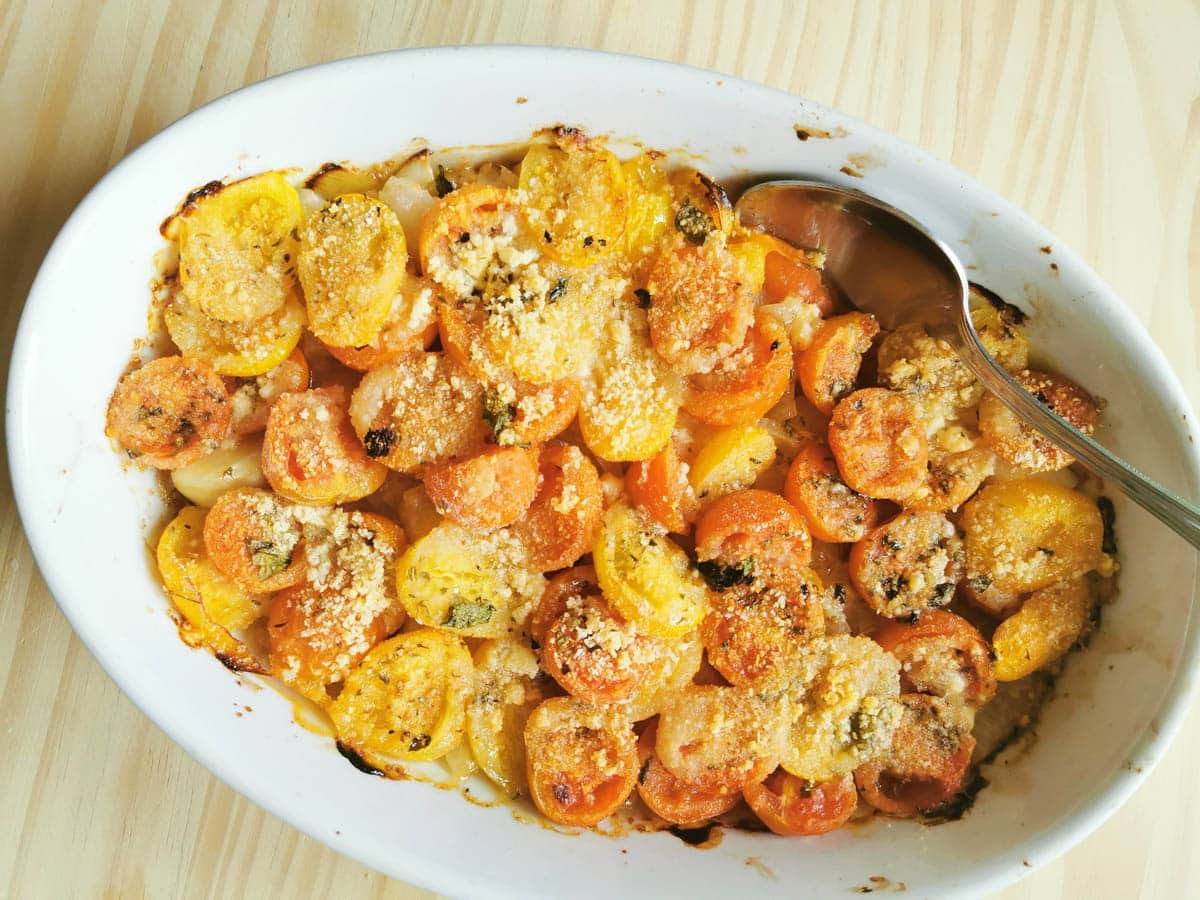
(1086, 114)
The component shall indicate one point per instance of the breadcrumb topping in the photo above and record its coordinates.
(569, 306)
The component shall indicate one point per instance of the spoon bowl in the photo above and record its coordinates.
(889, 265)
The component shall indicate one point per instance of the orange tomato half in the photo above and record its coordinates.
(791, 806)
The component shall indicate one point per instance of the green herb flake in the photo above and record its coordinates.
(469, 613)
(694, 223)
(722, 578)
(980, 583)
(442, 184)
(380, 441)
(498, 414)
(268, 559)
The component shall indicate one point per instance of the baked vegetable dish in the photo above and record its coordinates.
(544, 464)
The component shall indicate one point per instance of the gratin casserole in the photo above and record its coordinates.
(554, 469)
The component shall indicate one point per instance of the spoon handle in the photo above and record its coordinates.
(1170, 509)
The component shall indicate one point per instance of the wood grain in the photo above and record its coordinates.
(1087, 114)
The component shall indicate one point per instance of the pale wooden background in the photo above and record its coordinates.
(1087, 114)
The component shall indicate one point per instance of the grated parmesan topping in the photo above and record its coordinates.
(846, 691)
(928, 371)
(525, 337)
(348, 565)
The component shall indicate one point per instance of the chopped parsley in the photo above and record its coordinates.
(469, 613)
(980, 583)
(721, 578)
(498, 414)
(268, 559)
(693, 223)
(442, 184)
(379, 442)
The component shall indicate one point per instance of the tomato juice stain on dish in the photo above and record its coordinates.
(702, 838)
(357, 761)
(810, 132)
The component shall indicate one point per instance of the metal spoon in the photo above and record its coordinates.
(888, 265)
